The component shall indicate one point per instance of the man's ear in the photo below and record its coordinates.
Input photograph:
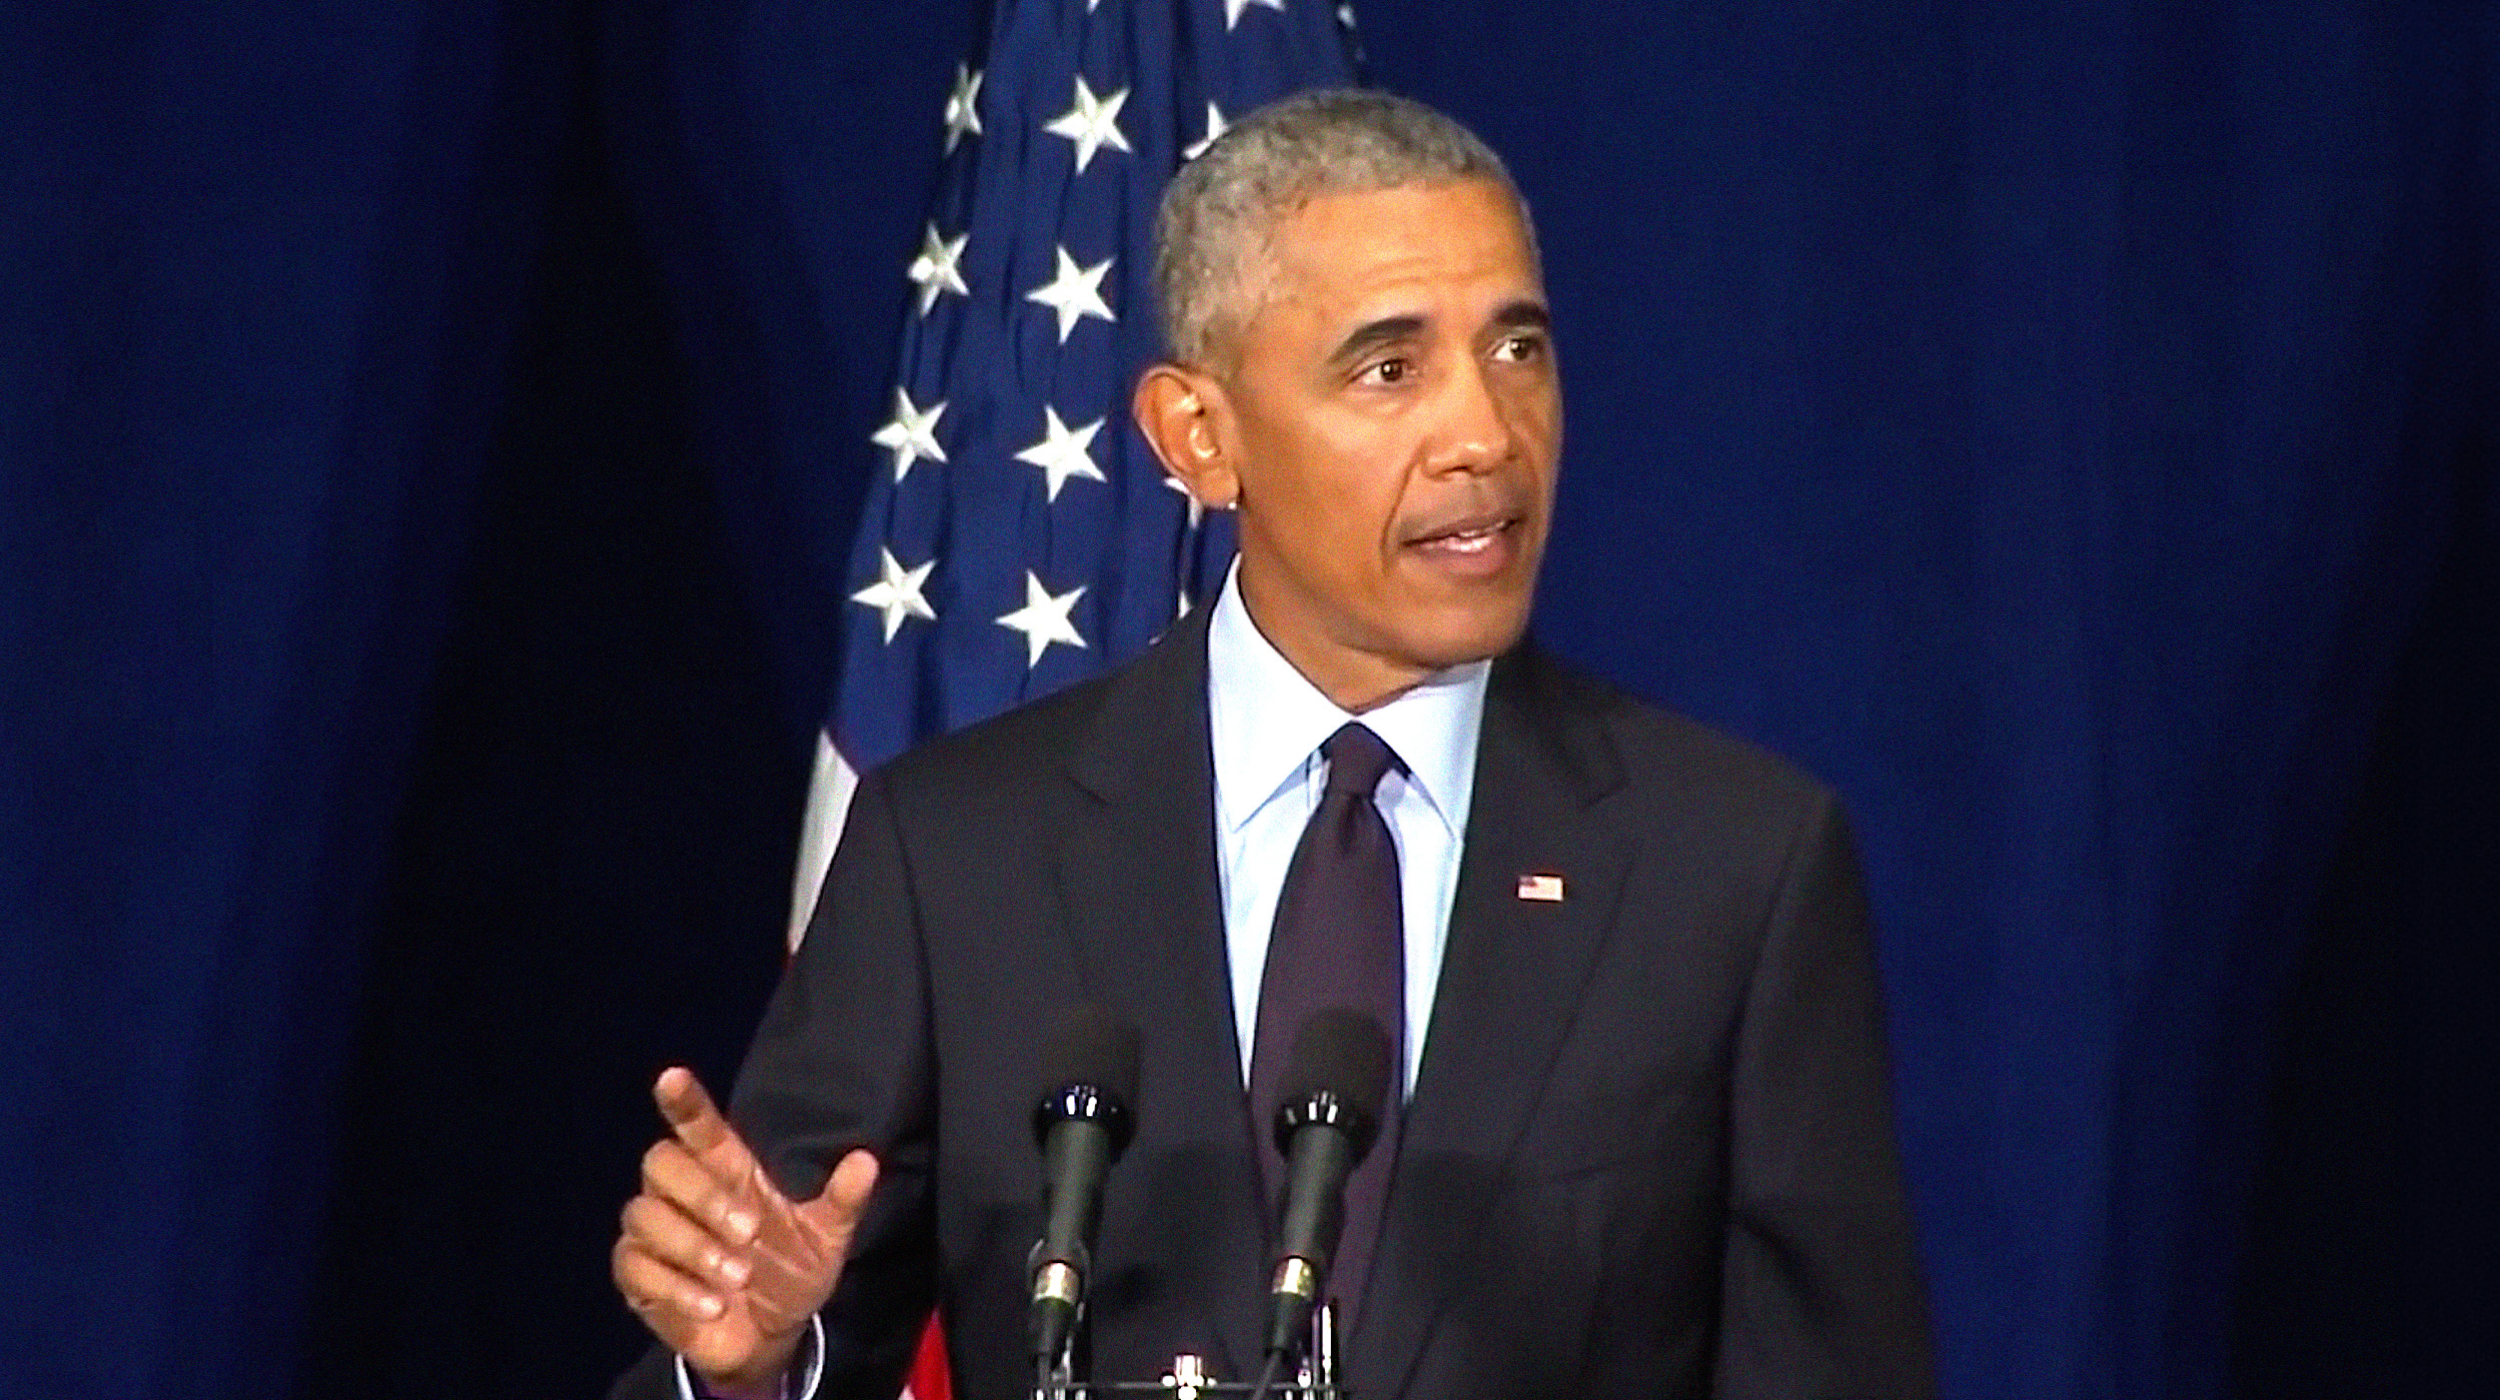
(1180, 412)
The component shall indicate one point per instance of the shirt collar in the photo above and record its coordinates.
(1265, 719)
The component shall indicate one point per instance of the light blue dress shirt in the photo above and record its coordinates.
(1267, 722)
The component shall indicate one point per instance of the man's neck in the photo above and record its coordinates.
(1355, 681)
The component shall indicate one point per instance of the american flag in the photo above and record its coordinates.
(1019, 534)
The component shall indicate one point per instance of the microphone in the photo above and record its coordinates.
(1330, 1114)
(1082, 1125)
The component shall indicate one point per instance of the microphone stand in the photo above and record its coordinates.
(1314, 1376)
(1319, 1359)
(1315, 1369)
(1056, 1379)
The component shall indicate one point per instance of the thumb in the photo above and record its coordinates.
(838, 1206)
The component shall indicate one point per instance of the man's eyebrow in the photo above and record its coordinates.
(1388, 330)
(1523, 315)
(1520, 315)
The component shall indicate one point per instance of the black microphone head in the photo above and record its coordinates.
(1338, 1074)
(1089, 1072)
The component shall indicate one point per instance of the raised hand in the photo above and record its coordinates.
(724, 1268)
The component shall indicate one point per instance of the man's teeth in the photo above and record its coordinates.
(1468, 541)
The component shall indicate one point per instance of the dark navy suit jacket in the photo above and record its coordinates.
(1650, 1149)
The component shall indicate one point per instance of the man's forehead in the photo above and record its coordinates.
(1444, 219)
(1361, 254)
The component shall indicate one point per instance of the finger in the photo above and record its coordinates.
(854, 1177)
(671, 1173)
(679, 1240)
(669, 1300)
(846, 1191)
(697, 1122)
(826, 1223)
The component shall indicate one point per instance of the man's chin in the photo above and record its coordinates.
(1478, 634)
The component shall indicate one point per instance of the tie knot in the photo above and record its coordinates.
(1356, 759)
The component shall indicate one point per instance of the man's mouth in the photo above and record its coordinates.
(1483, 541)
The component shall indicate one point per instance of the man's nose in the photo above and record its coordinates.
(1474, 431)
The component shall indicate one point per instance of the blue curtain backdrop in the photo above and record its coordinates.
(430, 436)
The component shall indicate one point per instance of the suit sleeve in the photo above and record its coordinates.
(1822, 1297)
(842, 1060)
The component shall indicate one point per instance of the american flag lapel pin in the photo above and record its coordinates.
(1542, 888)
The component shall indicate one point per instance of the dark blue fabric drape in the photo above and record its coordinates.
(429, 442)
(2044, 421)
(255, 263)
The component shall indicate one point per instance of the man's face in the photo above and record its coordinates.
(1393, 427)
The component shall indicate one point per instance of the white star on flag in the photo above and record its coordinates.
(938, 269)
(896, 593)
(1215, 127)
(910, 434)
(1233, 9)
(1043, 619)
(1092, 123)
(1074, 292)
(963, 116)
(1062, 454)
(1197, 508)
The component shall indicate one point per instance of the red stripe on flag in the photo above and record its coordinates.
(928, 1370)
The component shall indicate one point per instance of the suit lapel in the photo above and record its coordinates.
(1512, 979)
(1140, 891)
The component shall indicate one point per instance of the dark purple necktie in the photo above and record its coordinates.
(1338, 941)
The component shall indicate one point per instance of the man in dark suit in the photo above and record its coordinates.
(1640, 1141)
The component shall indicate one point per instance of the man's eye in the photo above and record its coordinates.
(1390, 371)
(1519, 347)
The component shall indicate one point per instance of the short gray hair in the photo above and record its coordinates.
(1224, 204)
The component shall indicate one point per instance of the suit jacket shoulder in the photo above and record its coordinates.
(1144, 720)
(1717, 810)
(1665, 751)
